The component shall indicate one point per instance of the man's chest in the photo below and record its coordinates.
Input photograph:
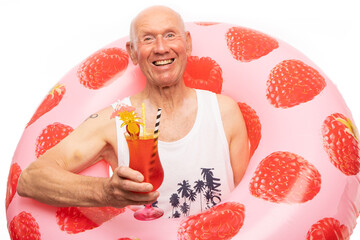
(176, 127)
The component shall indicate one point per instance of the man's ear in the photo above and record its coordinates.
(188, 44)
(130, 50)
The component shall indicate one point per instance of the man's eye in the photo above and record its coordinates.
(148, 39)
(170, 36)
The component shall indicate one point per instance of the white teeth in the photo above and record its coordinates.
(163, 62)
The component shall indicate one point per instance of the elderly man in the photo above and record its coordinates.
(199, 132)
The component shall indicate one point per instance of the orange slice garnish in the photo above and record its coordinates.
(133, 129)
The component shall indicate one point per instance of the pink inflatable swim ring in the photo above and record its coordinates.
(303, 178)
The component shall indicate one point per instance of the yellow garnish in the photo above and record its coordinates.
(133, 128)
(128, 116)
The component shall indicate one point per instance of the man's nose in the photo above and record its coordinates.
(161, 45)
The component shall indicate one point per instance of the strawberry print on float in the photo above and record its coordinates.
(246, 44)
(12, 182)
(220, 222)
(73, 220)
(328, 228)
(203, 73)
(292, 82)
(51, 100)
(285, 177)
(341, 142)
(24, 226)
(50, 136)
(102, 67)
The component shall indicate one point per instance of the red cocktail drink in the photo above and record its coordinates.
(144, 158)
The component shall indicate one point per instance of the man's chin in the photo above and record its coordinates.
(167, 83)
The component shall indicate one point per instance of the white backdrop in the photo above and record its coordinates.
(41, 40)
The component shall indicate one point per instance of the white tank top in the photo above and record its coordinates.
(197, 169)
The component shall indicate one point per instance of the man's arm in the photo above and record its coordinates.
(236, 134)
(52, 178)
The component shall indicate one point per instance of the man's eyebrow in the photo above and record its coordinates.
(142, 33)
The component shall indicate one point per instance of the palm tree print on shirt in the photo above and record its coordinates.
(205, 190)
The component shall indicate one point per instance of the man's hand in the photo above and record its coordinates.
(126, 187)
(52, 179)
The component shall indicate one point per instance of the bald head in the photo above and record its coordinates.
(149, 13)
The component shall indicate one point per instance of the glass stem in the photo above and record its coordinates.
(148, 206)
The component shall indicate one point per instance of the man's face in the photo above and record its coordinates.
(161, 47)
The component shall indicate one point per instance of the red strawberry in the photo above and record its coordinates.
(50, 136)
(126, 238)
(206, 23)
(220, 222)
(341, 142)
(246, 44)
(253, 126)
(13, 178)
(102, 66)
(79, 219)
(285, 177)
(99, 215)
(203, 73)
(71, 220)
(292, 82)
(24, 226)
(52, 100)
(328, 229)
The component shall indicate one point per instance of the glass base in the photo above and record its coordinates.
(148, 213)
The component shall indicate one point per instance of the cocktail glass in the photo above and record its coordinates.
(144, 157)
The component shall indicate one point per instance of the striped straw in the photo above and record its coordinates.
(156, 131)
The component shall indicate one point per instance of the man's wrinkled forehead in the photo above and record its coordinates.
(166, 18)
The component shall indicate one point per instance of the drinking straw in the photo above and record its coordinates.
(143, 119)
(156, 131)
(157, 123)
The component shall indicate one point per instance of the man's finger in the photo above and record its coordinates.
(137, 198)
(128, 173)
(131, 186)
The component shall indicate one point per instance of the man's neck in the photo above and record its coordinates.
(179, 110)
(167, 98)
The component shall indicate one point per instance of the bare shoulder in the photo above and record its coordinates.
(98, 129)
(102, 115)
(228, 108)
(231, 116)
(99, 123)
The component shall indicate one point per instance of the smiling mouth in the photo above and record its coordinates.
(163, 62)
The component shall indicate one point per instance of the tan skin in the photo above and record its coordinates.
(52, 178)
